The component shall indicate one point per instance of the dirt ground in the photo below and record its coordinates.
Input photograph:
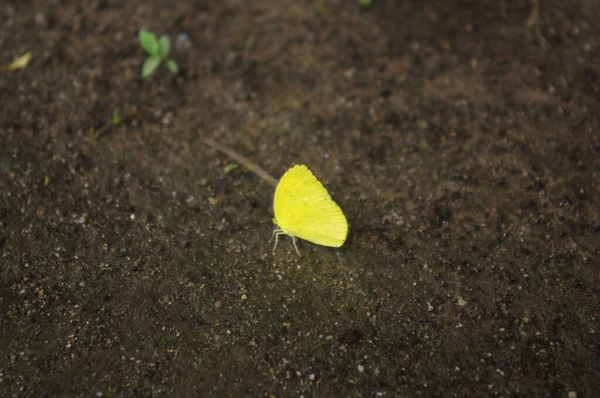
(461, 138)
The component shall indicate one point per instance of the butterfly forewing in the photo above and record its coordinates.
(304, 209)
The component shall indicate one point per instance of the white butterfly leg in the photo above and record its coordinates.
(276, 233)
(296, 247)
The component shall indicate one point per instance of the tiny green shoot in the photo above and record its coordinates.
(158, 51)
(46, 181)
(365, 3)
(230, 167)
(115, 120)
(249, 43)
(320, 8)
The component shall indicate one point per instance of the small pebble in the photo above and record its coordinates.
(40, 20)
(183, 42)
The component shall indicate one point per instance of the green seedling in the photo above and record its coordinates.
(320, 8)
(249, 43)
(114, 121)
(230, 167)
(158, 51)
(365, 3)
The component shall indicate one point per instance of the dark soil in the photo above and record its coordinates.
(461, 139)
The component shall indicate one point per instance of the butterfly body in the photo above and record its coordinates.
(304, 209)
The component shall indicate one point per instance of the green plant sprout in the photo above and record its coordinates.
(115, 120)
(158, 51)
(365, 3)
(230, 167)
(249, 43)
(320, 8)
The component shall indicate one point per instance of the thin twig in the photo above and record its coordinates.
(243, 161)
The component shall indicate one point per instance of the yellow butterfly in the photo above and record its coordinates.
(304, 209)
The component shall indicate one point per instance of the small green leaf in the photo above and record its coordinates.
(149, 42)
(230, 167)
(164, 45)
(365, 3)
(249, 43)
(172, 66)
(150, 65)
(116, 118)
(46, 181)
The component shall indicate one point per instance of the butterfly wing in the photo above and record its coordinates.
(303, 208)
